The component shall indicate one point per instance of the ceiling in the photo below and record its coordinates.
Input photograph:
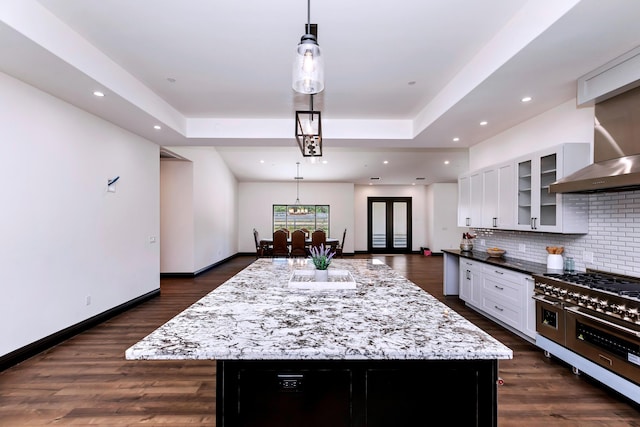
(402, 78)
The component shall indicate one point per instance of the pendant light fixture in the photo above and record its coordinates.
(308, 66)
(309, 131)
(297, 208)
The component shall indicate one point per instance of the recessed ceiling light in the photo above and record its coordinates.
(526, 99)
(385, 162)
(484, 123)
(98, 93)
(157, 127)
(456, 139)
(261, 161)
(324, 162)
(411, 83)
(446, 162)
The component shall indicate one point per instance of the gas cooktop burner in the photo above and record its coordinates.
(601, 281)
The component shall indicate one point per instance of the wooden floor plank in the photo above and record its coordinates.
(87, 381)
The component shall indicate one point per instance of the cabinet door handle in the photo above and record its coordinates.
(468, 221)
(533, 223)
(468, 275)
(498, 288)
(498, 308)
(498, 272)
(495, 221)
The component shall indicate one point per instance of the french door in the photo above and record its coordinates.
(389, 224)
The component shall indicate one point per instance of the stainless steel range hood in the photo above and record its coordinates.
(616, 147)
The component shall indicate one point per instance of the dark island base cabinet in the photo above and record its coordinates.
(356, 393)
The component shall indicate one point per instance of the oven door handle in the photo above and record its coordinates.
(576, 310)
(546, 301)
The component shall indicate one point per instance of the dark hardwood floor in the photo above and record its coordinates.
(87, 381)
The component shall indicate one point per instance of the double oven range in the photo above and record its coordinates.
(595, 315)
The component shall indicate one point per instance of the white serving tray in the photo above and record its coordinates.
(338, 279)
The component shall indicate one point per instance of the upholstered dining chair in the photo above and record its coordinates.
(280, 246)
(298, 244)
(341, 244)
(286, 231)
(318, 237)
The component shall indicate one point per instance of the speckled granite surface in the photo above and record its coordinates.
(255, 316)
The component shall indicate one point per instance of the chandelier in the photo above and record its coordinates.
(297, 208)
(309, 131)
(308, 66)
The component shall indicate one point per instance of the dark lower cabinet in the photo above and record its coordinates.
(356, 393)
(287, 398)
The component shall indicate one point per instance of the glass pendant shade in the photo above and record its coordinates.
(309, 133)
(308, 67)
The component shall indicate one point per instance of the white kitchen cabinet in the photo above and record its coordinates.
(498, 197)
(470, 200)
(539, 210)
(470, 281)
(501, 294)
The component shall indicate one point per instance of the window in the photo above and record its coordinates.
(316, 218)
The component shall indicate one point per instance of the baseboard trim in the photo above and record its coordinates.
(29, 350)
(202, 270)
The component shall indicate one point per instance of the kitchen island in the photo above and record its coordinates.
(384, 354)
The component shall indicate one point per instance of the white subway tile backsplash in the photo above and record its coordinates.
(613, 238)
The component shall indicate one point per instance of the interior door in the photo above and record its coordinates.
(389, 224)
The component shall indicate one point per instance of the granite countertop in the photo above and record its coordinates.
(521, 266)
(255, 316)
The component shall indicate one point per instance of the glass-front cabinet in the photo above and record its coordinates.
(539, 210)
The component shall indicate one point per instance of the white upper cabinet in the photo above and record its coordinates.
(470, 200)
(515, 195)
(539, 210)
(498, 197)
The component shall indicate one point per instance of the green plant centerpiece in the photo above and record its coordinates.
(321, 256)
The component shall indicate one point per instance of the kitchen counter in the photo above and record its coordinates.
(255, 316)
(281, 352)
(521, 266)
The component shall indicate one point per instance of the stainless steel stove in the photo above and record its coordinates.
(616, 296)
(595, 315)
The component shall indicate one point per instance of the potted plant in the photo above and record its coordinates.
(321, 257)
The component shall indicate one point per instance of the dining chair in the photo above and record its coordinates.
(262, 249)
(256, 238)
(298, 244)
(280, 246)
(286, 231)
(341, 244)
(318, 237)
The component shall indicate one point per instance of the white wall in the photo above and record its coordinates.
(64, 237)
(176, 216)
(255, 208)
(419, 214)
(565, 123)
(442, 221)
(214, 205)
